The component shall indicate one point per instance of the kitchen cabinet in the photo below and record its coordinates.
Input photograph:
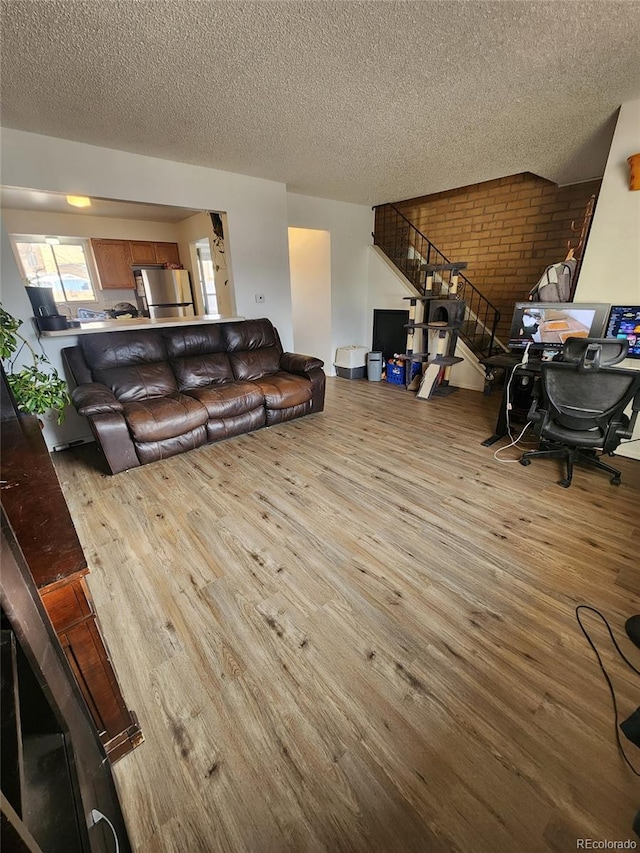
(167, 253)
(113, 260)
(142, 252)
(35, 507)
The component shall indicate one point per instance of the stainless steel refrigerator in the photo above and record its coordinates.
(165, 293)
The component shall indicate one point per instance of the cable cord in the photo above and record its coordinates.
(512, 443)
(606, 674)
(96, 817)
(523, 363)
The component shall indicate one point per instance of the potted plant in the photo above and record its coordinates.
(37, 387)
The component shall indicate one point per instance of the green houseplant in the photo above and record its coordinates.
(37, 387)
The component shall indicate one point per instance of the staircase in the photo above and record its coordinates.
(411, 252)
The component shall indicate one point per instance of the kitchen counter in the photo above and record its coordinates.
(91, 327)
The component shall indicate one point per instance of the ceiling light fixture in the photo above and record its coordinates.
(52, 241)
(79, 200)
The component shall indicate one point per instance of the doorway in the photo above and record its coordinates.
(310, 271)
(206, 274)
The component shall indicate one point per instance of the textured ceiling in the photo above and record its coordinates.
(360, 101)
(15, 198)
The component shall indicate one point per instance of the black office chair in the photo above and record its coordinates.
(580, 408)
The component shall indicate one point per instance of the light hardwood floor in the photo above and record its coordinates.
(356, 632)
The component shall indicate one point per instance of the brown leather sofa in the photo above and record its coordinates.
(152, 393)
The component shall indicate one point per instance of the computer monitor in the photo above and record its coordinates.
(547, 325)
(624, 322)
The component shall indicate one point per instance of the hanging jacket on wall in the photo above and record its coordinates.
(555, 283)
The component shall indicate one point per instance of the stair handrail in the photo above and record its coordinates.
(485, 304)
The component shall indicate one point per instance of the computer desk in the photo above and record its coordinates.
(509, 363)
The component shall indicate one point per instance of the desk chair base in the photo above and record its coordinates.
(571, 455)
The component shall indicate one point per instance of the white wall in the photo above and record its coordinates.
(349, 227)
(256, 209)
(310, 265)
(611, 266)
(77, 225)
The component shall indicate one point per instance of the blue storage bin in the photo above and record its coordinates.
(395, 374)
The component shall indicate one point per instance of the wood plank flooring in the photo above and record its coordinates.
(356, 632)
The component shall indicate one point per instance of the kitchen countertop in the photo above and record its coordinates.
(91, 327)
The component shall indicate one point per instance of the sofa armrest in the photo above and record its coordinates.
(94, 398)
(293, 362)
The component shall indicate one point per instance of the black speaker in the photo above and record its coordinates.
(449, 311)
(42, 301)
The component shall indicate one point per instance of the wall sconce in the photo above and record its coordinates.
(634, 173)
(79, 200)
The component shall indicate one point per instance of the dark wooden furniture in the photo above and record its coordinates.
(37, 511)
(54, 770)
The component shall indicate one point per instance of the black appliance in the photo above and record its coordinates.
(45, 309)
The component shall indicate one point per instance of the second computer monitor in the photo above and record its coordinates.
(624, 324)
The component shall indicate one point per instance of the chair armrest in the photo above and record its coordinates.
(293, 362)
(535, 415)
(94, 398)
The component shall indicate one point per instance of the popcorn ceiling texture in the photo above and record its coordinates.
(359, 101)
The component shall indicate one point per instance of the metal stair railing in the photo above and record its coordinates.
(410, 250)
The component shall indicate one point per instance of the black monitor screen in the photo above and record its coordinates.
(547, 325)
(624, 322)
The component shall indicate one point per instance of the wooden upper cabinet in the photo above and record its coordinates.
(113, 259)
(167, 253)
(142, 252)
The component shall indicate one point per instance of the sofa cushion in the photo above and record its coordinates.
(199, 371)
(226, 401)
(254, 348)
(253, 364)
(193, 340)
(250, 335)
(138, 381)
(283, 390)
(118, 349)
(198, 356)
(133, 365)
(159, 418)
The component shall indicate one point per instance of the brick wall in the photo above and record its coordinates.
(508, 230)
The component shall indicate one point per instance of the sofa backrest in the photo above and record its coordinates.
(141, 363)
(198, 355)
(133, 364)
(254, 348)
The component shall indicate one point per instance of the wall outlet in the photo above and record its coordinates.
(259, 297)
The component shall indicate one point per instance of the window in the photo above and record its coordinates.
(62, 266)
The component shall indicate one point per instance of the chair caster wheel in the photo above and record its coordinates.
(615, 481)
(524, 461)
(564, 483)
